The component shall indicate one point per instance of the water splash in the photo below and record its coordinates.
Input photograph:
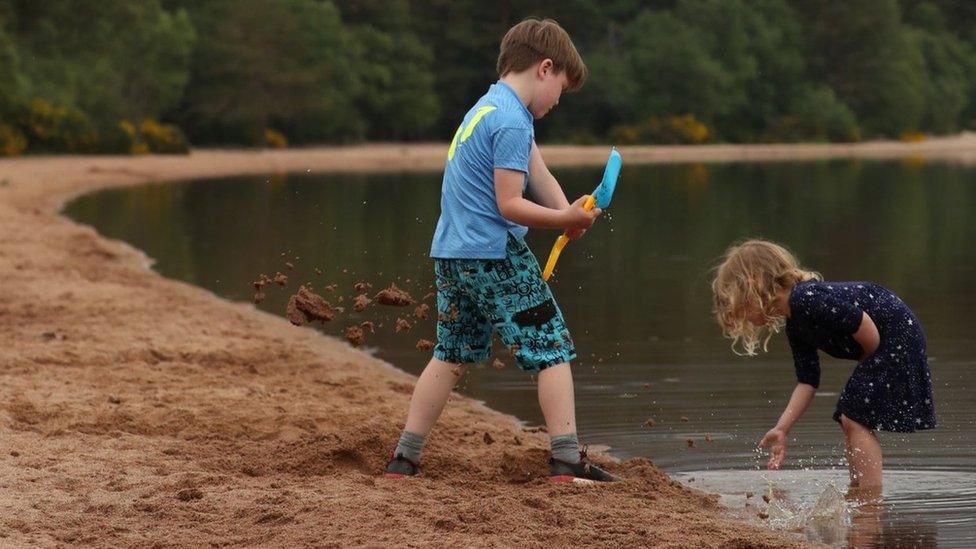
(827, 520)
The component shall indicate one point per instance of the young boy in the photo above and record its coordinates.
(487, 278)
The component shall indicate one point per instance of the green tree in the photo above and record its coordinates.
(861, 49)
(673, 70)
(396, 70)
(112, 60)
(950, 66)
(11, 74)
(264, 62)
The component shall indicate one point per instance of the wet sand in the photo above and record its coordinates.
(143, 411)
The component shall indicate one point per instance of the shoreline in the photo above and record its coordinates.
(140, 410)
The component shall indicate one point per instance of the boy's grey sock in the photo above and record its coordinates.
(410, 446)
(565, 447)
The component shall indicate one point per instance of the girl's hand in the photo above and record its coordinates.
(775, 439)
(575, 217)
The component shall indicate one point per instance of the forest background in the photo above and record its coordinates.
(132, 76)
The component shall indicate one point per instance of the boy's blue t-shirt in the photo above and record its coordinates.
(496, 133)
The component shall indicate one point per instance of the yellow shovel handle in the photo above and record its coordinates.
(561, 242)
(557, 248)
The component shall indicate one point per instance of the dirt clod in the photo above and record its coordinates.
(394, 296)
(306, 306)
(280, 279)
(368, 325)
(355, 335)
(425, 344)
(498, 364)
(685, 419)
(362, 286)
(690, 442)
(360, 303)
(289, 265)
(650, 423)
(292, 313)
(708, 437)
(402, 325)
(259, 297)
(420, 313)
(261, 282)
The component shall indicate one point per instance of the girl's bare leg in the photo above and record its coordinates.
(863, 458)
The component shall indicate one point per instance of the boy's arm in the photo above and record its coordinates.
(543, 185)
(776, 437)
(514, 207)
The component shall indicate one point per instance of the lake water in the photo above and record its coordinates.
(636, 295)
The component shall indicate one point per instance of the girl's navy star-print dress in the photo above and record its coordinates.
(891, 390)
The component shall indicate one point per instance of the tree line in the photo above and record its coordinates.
(130, 76)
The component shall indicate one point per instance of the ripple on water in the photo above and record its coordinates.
(921, 508)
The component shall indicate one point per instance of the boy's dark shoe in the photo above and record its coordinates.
(399, 467)
(583, 472)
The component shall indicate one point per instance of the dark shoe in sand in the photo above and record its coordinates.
(583, 472)
(399, 467)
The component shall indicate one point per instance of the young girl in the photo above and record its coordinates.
(759, 288)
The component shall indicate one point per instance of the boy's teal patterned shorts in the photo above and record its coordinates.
(476, 297)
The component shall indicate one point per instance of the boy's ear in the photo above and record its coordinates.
(545, 66)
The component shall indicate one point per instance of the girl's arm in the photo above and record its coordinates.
(514, 207)
(867, 336)
(776, 437)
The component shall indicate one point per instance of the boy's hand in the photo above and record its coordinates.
(776, 440)
(575, 217)
(573, 234)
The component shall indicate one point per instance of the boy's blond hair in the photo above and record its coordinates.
(533, 40)
(752, 272)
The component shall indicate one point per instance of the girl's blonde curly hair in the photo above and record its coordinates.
(751, 273)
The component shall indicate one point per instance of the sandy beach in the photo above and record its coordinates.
(142, 411)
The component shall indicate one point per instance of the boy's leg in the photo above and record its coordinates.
(863, 456)
(433, 388)
(431, 393)
(558, 405)
(568, 463)
(463, 337)
(530, 324)
(557, 400)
